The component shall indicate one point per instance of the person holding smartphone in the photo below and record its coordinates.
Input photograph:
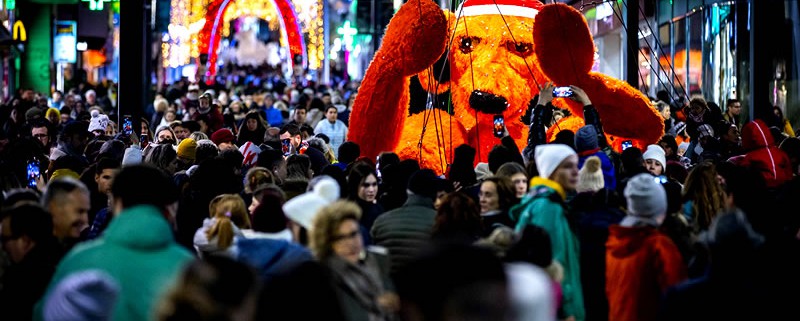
(543, 113)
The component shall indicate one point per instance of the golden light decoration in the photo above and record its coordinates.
(310, 14)
(262, 9)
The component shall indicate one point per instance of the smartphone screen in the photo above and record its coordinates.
(33, 173)
(562, 92)
(626, 144)
(499, 126)
(127, 125)
(285, 146)
(378, 167)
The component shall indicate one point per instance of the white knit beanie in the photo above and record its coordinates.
(549, 156)
(657, 153)
(303, 208)
(590, 177)
(98, 122)
(647, 201)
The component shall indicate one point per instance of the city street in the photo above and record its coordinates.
(414, 160)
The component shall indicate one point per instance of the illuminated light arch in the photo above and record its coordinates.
(289, 27)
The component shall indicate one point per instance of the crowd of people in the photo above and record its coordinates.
(249, 203)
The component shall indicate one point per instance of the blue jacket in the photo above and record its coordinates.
(270, 257)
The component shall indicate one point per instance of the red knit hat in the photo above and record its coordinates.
(519, 8)
(222, 135)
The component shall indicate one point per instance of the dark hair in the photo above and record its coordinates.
(349, 152)
(323, 137)
(458, 217)
(17, 196)
(113, 148)
(338, 174)
(632, 160)
(671, 142)
(566, 137)
(268, 217)
(510, 169)
(534, 246)
(455, 279)
(269, 159)
(191, 125)
(507, 195)
(731, 102)
(298, 166)
(499, 155)
(233, 157)
(210, 289)
(461, 170)
(387, 158)
(204, 152)
(162, 156)
(144, 184)
(106, 163)
(292, 129)
(358, 173)
(317, 103)
(30, 220)
(306, 128)
(331, 106)
(301, 104)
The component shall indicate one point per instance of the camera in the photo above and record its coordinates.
(562, 92)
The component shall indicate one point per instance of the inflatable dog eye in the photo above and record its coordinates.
(501, 52)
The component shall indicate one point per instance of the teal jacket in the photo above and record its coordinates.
(545, 207)
(137, 250)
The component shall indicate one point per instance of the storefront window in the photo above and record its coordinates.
(719, 54)
(680, 57)
(665, 58)
(695, 53)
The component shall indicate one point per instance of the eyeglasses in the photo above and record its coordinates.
(40, 135)
(348, 236)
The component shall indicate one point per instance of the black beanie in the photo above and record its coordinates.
(425, 183)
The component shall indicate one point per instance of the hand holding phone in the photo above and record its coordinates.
(286, 145)
(499, 126)
(33, 173)
(127, 125)
(563, 92)
(626, 144)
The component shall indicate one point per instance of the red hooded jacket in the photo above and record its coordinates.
(762, 154)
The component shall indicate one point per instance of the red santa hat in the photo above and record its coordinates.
(519, 8)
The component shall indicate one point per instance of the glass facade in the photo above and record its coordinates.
(719, 49)
(695, 49)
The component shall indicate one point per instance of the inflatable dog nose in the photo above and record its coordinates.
(488, 103)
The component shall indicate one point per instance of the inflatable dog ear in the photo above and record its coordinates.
(496, 54)
(625, 112)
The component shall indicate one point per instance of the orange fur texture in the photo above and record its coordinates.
(418, 35)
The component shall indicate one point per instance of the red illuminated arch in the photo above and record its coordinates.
(209, 35)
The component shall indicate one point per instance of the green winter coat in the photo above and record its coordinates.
(137, 250)
(545, 207)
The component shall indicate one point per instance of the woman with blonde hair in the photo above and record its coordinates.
(227, 217)
(360, 277)
(703, 196)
